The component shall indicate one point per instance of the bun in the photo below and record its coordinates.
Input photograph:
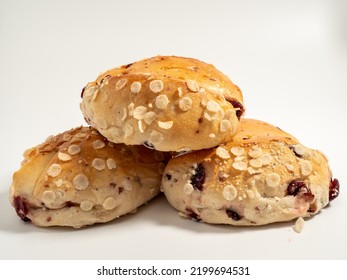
(167, 103)
(78, 178)
(264, 175)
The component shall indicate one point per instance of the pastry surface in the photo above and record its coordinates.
(78, 178)
(165, 103)
(264, 175)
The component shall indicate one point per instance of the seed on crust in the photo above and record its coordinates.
(273, 180)
(111, 164)
(185, 103)
(139, 112)
(224, 126)
(63, 156)
(161, 101)
(156, 137)
(80, 182)
(306, 167)
(255, 152)
(188, 188)
(212, 106)
(86, 205)
(239, 165)
(74, 149)
(229, 192)
(135, 87)
(98, 164)
(109, 203)
(222, 153)
(54, 170)
(237, 151)
(128, 130)
(67, 137)
(165, 125)
(156, 86)
(48, 197)
(299, 149)
(193, 85)
(256, 162)
(121, 83)
(98, 144)
(149, 117)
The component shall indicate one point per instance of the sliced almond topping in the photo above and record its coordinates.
(213, 106)
(185, 103)
(222, 153)
(98, 144)
(149, 117)
(239, 165)
(101, 122)
(121, 83)
(180, 92)
(299, 149)
(306, 167)
(161, 101)
(109, 203)
(63, 157)
(212, 135)
(127, 185)
(59, 183)
(156, 137)
(229, 192)
(98, 164)
(188, 188)
(237, 151)
(111, 164)
(80, 182)
(67, 137)
(299, 225)
(135, 87)
(266, 159)
(273, 180)
(252, 170)
(193, 85)
(224, 126)
(48, 197)
(257, 163)
(207, 116)
(128, 130)
(131, 109)
(86, 205)
(289, 166)
(255, 152)
(54, 170)
(139, 112)
(165, 125)
(141, 126)
(156, 86)
(74, 149)
(250, 193)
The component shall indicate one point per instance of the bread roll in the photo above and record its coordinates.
(263, 176)
(167, 103)
(78, 178)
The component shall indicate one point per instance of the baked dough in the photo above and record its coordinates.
(263, 176)
(165, 103)
(78, 178)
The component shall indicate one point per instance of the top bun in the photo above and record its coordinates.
(167, 103)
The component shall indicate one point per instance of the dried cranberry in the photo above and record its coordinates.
(198, 179)
(191, 214)
(21, 208)
(238, 106)
(334, 189)
(233, 215)
(299, 188)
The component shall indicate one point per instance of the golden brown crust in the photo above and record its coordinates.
(164, 102)
(78, 178)
(263, 176)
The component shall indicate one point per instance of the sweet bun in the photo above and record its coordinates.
(165, 103)
(78, 178)
(263, 176)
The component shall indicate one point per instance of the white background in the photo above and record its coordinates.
(288, 57)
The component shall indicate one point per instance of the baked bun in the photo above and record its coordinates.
(165, 103)
(78, 178)
(263, 176)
